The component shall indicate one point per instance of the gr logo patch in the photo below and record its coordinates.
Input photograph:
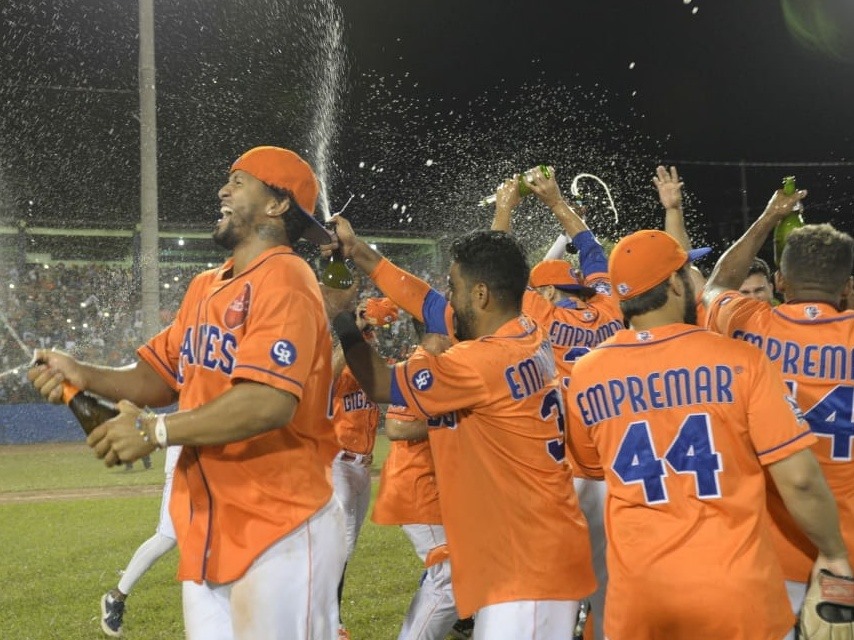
(283, 353)
(423, 379)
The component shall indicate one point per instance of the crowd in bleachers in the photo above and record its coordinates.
(94, 312)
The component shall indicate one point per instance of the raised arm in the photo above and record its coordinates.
(669, 186)
(733, 265)
(407, 291)
(506, 199)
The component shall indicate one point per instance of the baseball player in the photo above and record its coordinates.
(149, 552)
(355, 420)
(260, 535)
(680, 422)
(578, 310)
(810, 340)
(408, 497)
(520, 553)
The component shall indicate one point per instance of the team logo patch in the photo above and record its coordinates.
(237, 311)
(588, 316)
(623, 288)
(812, 312)
(644, 336)
(283, 353)
(725, 300)
(423, 379)
(603, 287)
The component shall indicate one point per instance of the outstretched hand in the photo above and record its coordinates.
(669, 187)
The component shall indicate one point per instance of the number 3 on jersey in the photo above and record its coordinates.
(692, 451)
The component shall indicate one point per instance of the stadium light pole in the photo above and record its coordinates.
(149, 251)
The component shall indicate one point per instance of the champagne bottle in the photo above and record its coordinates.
(336, 274)
(522, 182)
(788, 224)
(89, 410)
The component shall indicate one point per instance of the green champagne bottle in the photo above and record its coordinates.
(336, 274)
(794, 220)
(522, 181)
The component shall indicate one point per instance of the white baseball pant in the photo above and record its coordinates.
(432, 611)
(540, 619)
(163, 540)
(591, 498)
(351, 480)
(289, 592)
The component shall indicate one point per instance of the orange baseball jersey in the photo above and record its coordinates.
(408, 493)
(266, 325)
(355, 417)
(680, 421)
(513, 524)
(812, 344)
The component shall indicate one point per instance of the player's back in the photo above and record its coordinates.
(355, 417)
(514, 527)
(674, 415)
(573, 330)
(812, 345)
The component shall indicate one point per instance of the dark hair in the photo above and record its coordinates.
(650, 300)
(759, 266)
(295, 222)
(818, 256)
(496, 259)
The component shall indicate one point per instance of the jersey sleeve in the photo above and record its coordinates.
(594, 267)
(731, 311)
(591, 257)
(579, 441)
(435, 385)
(776, 425)
(414, 296)
(278, 347)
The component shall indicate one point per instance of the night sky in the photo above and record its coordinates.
(437, 102)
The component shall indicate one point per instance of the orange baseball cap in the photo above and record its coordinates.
(645, 259)
(560, 274)
(381, 311)
(283, 169)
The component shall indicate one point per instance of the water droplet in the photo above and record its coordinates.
(429, 163)
(695, 10)
(631, 65)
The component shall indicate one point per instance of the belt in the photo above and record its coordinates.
(357, 458)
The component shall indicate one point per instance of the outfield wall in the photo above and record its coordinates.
(32, 423)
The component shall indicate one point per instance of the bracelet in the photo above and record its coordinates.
(161, 435)
(140, 424)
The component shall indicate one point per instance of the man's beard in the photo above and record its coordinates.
(464, 324)
(225, 236)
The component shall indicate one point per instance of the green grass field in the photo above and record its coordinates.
(60, 554)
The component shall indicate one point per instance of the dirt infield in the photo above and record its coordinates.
(20, 497)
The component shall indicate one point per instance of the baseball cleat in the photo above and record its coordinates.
(112, 611)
